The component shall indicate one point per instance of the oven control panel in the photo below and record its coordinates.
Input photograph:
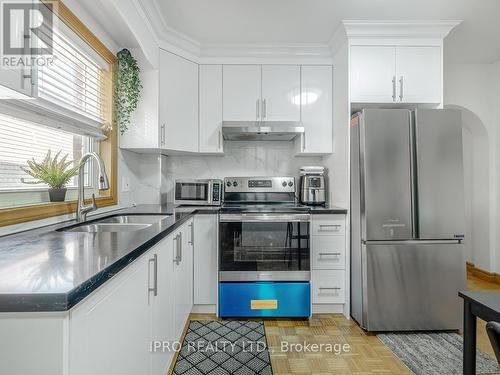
(259, 184)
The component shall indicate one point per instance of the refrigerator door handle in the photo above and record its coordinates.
(412, 242)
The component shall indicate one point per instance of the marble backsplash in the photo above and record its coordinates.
(239, 159)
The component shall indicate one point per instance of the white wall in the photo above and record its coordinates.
(475, 88)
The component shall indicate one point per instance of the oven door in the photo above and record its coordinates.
(196, 192)
(264, 247)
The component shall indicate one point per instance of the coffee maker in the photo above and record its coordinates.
(313, 190)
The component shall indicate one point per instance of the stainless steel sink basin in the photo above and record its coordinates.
(120, 223)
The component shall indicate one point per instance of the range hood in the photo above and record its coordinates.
(261, 130)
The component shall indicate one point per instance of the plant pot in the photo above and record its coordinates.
(57, 195)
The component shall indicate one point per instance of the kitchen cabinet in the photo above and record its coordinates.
(112, 330)
(396, 74)
(109, 332)
(418, 72)
(280, 93)
(261, 93)
(205, 259)
(210, 133)
(160, 302)
(178, 103)
(241, 92)
(373, 74)
(182, 263)
(316, 111)
(328, 262)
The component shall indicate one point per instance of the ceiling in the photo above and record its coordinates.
(292, 22)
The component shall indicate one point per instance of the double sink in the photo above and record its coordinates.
(118, 223)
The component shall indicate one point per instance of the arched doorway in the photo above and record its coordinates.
(477, 186)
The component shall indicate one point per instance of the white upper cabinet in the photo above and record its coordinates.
(280, 93)
(418, 74)
(373, 74)
(210, 133)
(396, 74)
(242, 92)
(178, 104)
(316, 110)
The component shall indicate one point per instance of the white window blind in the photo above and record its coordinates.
(21, 140)
(76, 79)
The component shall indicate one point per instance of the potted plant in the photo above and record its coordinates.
(127, 88)
(53, 172)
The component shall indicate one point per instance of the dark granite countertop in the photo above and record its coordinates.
(47, 270)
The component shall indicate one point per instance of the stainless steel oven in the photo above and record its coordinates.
(200, 192)
(261, 246)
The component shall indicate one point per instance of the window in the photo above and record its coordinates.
(21, 141)
(76, 79)
(73, 104)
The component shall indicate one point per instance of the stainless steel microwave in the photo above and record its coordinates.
(199, 192)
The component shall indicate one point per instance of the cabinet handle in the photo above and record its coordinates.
(401, 88)
(162, 134)
(176, 248)
(154, 289)
(257, 111)
(303, 142)
(321, 288)
(334, 226)
(191, 242)
(180, 247)
(394, 88)
(332, 254)
(219, 140)
(264, 109)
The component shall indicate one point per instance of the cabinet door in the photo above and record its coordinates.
(373, 74)
(110, 331)
(161, 304)
(316, 107)
(183, 278)
(281, 93)
(205, 259)
(418, 71)
(211, 108)
(178, 103)
(241, 92)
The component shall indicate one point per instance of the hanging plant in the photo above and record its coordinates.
(127, 89)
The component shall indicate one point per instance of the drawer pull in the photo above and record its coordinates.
(329, 288)
(330, 227)
(331, 254)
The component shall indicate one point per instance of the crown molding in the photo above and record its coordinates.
(399, 29)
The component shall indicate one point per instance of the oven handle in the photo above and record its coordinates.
(264, 218)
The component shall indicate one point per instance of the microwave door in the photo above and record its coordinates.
(192, 192)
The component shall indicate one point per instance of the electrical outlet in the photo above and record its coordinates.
(125, 184)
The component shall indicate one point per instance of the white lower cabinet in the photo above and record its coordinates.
(205, 260)
(328, 262)
(109, 332)
(112, 330)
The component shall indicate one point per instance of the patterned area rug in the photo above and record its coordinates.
(434, 353)
(224, 348)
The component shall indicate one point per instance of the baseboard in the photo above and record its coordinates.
(481, 274)
(204, 309)
(328, 308)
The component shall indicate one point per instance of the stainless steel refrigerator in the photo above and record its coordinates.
(407, 219)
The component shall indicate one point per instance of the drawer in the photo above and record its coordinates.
(328, 224)
(328, 286)
(265, 299)
(328, 252)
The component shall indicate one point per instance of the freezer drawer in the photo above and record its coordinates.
(265, 299)
(413, 286)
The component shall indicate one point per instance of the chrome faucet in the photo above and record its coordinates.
(103, 184)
